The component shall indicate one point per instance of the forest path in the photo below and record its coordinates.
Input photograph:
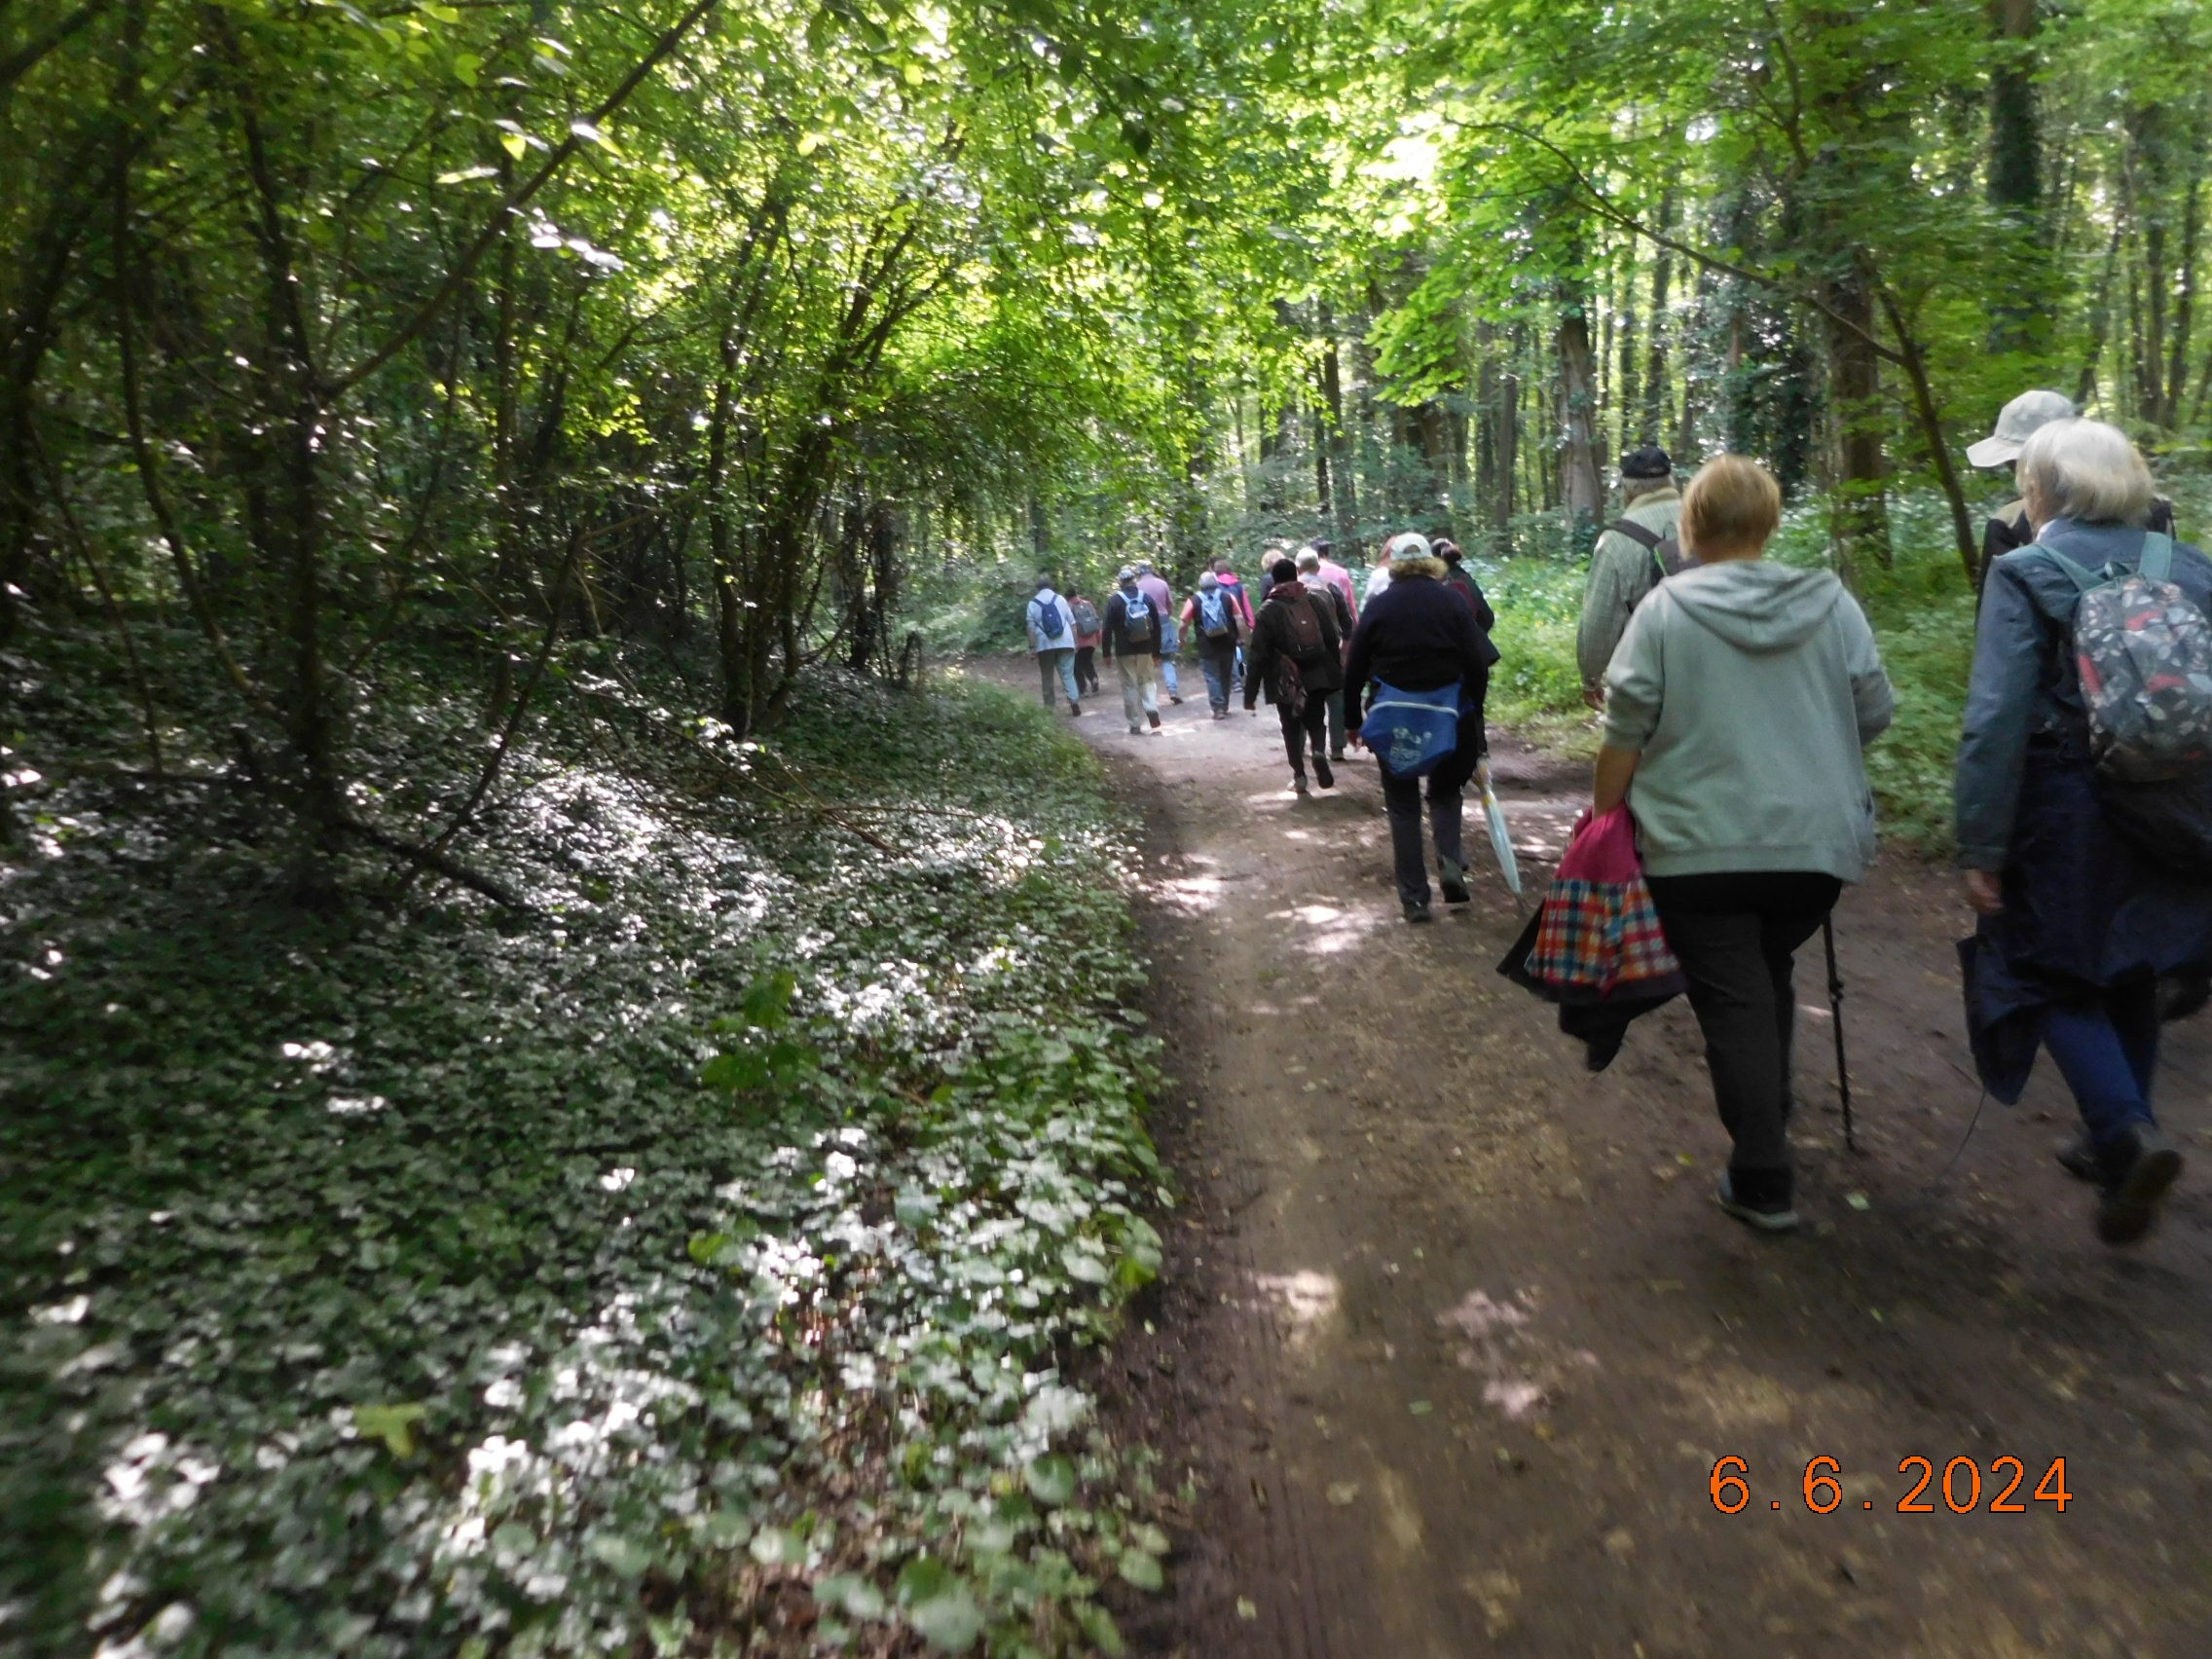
(1452, 1334)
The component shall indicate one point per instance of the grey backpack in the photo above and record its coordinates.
(1667, 555)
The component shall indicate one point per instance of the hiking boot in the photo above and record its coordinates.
(1221, 714)
(2079, 1158)
(1153, 715)
(1600, 1048)
(1454, 879)
(1299, 784)
(2138, 1168)
(1417, 912)
(1076, 709)
(1174, 697)
(1758, 1198)
(1322, 775)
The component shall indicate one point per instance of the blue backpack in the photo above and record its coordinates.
(1412, 731)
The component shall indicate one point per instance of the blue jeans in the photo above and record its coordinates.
(2107, 1050)
(1061, 663)
(1170, 643)
(1219, 671)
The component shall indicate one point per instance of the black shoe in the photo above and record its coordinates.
(2139, 1167)
(1322, 775)
(1419, 912)
(1174, 698)
(1599, 1049)
(1297, 783)
(2079, 1158)
(1454, 882)
(1758, 1198)
(1153, 715)
(1336, 754)
(1076, 709)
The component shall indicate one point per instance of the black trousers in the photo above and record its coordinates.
(1736, 936)
(1312, 725)
(1086, 668)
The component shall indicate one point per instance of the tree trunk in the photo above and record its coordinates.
(1581, 489)
(1856, 419)
(1343, 475)
(1655, 387)
(2016, 127)
(2185, 300)
(1629, 391)
(2100, 320)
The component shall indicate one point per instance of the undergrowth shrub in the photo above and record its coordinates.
(692, 1269)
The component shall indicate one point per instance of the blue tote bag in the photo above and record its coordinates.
(1411, 733)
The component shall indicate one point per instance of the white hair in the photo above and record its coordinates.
(2087, 470)
(1309, 560)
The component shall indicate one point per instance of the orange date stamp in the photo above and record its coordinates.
(1960, 1486)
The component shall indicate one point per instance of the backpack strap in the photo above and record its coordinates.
(2157, 561)
(2080, 575)
(1647, 537)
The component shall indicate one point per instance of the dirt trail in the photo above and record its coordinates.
(1452, 1334)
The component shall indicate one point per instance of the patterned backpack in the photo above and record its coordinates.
(2144, 652)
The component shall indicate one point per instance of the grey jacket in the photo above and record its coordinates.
(1750, 690)
(2025, 688)
(1621, 573)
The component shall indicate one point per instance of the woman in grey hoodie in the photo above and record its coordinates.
(1737, 709)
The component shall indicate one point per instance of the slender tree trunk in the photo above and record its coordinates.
(1655, 386)
(1581, 488)
(2100, 320)
(1343, 472)
(1857, 418)
(292, 389)
(1629, 393)
(2185, 298)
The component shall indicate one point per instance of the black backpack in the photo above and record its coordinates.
(1308, 645)
(1667, 555)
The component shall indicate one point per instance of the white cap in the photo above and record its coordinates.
(1411, 544)
(2016, 423)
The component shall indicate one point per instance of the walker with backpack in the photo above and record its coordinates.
(2144, 655)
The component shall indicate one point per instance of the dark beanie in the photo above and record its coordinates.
(1649, 461)
(1284, 570)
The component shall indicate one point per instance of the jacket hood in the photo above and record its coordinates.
(1754, 605)
(1434, 569)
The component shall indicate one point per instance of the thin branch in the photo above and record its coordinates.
(495, 227)
(14, 67)
(1602, 205)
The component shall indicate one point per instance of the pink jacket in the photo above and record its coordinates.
(1340, 578)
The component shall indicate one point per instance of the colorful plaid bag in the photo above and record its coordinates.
(1599, 934)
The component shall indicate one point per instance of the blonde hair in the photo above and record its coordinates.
(2087, 470)
(1731, 507)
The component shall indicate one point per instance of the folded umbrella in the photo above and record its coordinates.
(1500, 838)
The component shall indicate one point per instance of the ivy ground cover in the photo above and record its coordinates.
(693, 1266)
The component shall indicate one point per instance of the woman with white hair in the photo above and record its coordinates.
(2079, 923)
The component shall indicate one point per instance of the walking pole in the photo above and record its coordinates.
(1835, 1018)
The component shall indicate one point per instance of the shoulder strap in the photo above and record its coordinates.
(1644, 535)
(2080, 575)
(2157, 561)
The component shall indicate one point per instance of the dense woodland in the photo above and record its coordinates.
(560, 1095)
(333, 327)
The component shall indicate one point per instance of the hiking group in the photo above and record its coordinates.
(1730, 805)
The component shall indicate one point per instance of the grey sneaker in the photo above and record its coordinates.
(1770, 1214)
(1419, 912)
